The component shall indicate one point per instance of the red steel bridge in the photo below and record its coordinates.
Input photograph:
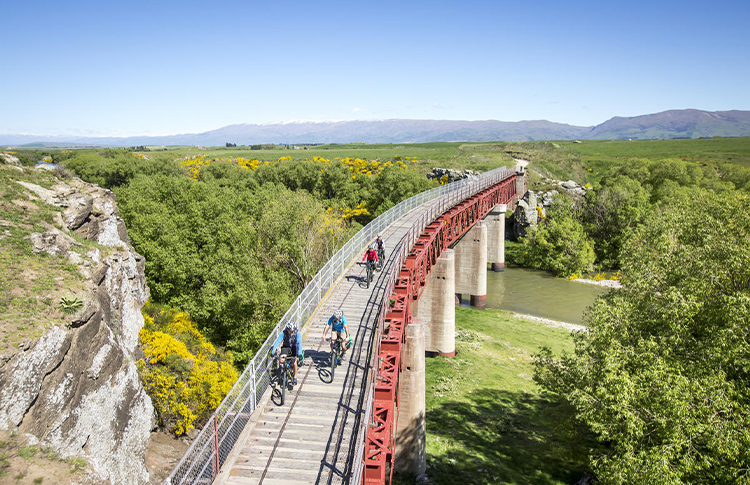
(341, 430)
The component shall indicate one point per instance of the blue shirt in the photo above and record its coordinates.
(280, 339)
(337, 326)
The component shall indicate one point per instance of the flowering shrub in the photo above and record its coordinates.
(183, 373)
(363, 172)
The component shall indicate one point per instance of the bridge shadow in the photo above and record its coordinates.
(497, 436)
(343, 441)
(361, 278)
(322, 363)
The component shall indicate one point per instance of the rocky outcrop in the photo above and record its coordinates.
(448, 175)
(533, 206)
(526, 214)
(76, 389)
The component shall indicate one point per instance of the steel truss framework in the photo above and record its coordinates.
(414, 273)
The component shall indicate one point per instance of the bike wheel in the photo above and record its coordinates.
(284, 374)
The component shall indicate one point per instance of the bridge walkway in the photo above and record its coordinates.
(313, 436)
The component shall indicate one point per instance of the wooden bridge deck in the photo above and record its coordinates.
(312, 437)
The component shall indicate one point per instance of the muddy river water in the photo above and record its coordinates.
(540, 294)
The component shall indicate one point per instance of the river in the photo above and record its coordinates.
(540, 294)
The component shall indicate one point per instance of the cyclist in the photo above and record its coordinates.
(337, 324)
(371, 255)
(290, 339)
(380, 245)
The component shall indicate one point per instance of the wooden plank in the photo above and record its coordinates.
(310, 436)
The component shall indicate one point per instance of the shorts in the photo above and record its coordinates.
(340, 335)
(290, 350)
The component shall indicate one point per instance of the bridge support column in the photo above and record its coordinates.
(520, 182)
(410, 449)
(496, 237)
(471, 264)
(436, 307)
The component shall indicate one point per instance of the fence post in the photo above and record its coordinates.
(215, 470)
(255, 387)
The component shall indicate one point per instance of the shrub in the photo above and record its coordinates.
(183, 373)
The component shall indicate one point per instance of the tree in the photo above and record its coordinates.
(662, 377)
(200, 242)
(610, 213)
(395, 184)
(558, 244)
(296, 234)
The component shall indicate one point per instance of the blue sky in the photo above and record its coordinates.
(167, 67)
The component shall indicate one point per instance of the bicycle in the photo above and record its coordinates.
(284, 374)
(381, 258)
(370, 272)
(337, 351)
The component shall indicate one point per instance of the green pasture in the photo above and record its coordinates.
(476, 156)
(702, 150)
(487, 421)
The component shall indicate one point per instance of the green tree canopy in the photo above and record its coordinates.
(610, 213)
(559, 243)
(661, 377)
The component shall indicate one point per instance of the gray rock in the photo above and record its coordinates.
(52, 242)
(549, 197)
(78, 211)
(76, 389)
(451, 174)
(526, 214)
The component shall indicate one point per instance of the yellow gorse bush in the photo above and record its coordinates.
(183, 373)
(194, 164)
(358, 167)
(158, 345)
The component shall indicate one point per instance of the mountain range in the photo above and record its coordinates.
(687, 123)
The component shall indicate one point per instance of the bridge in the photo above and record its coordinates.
(368, 419)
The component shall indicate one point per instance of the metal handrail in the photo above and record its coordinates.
(432, 212)
(202, 462)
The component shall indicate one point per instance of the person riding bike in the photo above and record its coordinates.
(371, 255)
(380, 246)
(290, 339)
(337, 324)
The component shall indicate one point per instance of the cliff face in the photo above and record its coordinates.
(76, 388)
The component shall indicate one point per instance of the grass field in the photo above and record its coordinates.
(599, 153)
(487, 421)
(477, 156)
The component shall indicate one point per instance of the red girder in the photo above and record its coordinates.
(413, 276)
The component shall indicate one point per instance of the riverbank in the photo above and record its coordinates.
(603, 283)
(552, 323)
(487, 420)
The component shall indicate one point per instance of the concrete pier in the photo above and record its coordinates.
(520, 181)
(436, 307)
(496, 237)
(410, 450)
(471, 265)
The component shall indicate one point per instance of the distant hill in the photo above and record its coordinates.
(686, 123)
(689, 123)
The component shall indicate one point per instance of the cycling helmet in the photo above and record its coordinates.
(291, 327)
(371, 246)
(338, 314)
(379, 236)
